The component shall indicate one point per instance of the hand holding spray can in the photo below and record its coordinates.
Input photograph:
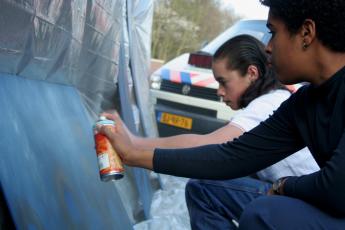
(110, 165)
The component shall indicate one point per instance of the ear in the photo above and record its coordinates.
(308, 33)
(253, 72)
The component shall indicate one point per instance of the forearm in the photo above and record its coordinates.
(218, 162)
(221, 135)
(324, 188)
(179, 141)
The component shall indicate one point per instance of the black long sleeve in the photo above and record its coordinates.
(266, 144)
(314, 117)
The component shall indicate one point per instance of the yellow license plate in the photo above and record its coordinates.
(176, 120)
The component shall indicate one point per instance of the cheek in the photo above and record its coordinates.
(284, 55)
(287, 75)
(233, 93)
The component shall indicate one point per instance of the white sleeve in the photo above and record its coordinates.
(259, 110)
(297, 164)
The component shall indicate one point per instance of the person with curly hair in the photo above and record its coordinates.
(307, 45)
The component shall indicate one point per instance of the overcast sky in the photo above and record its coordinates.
(249, 9)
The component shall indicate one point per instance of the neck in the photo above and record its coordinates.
(327, 65)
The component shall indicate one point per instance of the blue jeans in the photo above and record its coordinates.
(214, 204)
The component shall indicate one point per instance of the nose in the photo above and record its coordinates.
(220, 91)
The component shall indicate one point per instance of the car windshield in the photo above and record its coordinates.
(256, 28)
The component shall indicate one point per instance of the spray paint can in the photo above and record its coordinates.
(109, 162)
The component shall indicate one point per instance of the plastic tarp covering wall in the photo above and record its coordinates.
(66, 59)
(140, 52)
(137, 51)
(48, 171)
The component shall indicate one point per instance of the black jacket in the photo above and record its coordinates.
(314, 116)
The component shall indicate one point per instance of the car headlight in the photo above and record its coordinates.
(155, 81)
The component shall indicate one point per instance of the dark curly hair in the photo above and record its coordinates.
(328, 15)
(242, 51)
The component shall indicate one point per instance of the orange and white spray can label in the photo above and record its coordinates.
(109, 162)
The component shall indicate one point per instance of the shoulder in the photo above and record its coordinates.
(298, 98)
(259, 109)
(270, 101)
(302, 90)
(289, 110)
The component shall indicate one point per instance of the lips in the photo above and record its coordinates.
(269, 61)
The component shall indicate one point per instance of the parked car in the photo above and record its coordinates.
(184, 90)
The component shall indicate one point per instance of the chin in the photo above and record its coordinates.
(234, 107)
(289, 81)
(229, 105)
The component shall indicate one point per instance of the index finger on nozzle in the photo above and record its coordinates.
(109, 116)
(104, 129)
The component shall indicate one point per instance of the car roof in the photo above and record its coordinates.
(256, 28)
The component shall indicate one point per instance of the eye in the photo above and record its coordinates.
(272, 32)
(221, 82)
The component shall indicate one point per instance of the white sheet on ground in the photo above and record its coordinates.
(168, 208)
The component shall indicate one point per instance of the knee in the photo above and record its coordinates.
(193, 187)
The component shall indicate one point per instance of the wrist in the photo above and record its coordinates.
(278, 186)
(141, 158)
(134, 139)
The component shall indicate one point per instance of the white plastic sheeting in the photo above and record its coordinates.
(92, 46)
(78, 43)
(168, 208)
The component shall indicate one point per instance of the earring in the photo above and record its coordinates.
(305, 45)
